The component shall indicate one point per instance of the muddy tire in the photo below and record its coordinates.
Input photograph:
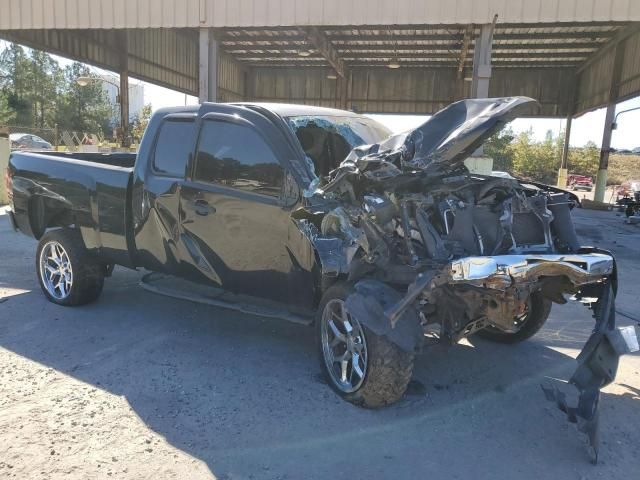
(68, 274)
(539, 310)
(386, 369)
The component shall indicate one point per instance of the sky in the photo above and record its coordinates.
(585, 128)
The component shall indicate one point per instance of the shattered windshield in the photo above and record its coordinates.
(327, 140)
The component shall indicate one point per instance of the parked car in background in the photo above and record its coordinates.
(580, 182)
(27, 141)
(622, 151)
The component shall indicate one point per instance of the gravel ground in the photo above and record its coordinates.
(142, 386)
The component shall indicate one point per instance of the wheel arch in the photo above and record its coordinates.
(46, 213)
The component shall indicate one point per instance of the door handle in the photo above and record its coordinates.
(203, 208)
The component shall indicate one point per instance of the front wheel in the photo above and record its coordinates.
(528, 324)
(363, 368)
(67, 272)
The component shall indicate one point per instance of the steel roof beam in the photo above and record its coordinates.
(390, 54)
(348, 39)
(339, 39)
(320, 41)
(622, 35)
(454, 47)
(331, 29)
(451, 66)
(466, 43)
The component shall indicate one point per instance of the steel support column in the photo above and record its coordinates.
(563, 172)
(614, 87)
(342, 85)
(124, 91)
(482, 62)
(482, 69)
(208, 66)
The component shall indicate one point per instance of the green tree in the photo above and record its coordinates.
(139, 124)
(83, 108)
(536, 160)
(497, 147)
(585, 160)
(15, 84)
(46, 80)
(7, 115)
(36, 92)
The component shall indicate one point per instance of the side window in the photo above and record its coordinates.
(236, 156)
(173, 147)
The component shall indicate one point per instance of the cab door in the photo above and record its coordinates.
(236, 206)
(155, 190)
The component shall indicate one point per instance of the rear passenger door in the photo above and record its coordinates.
(236, 206)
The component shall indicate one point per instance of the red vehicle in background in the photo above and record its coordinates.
(580, 182)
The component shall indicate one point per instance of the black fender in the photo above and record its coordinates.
(368, 304)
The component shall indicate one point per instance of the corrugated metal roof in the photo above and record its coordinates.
(539, 46)
(595, 80)
(424, 46)
(630, 78)
(107, 14)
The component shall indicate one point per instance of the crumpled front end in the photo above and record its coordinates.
(436, 253)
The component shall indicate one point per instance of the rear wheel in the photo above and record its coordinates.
(528, 324)
(363, 368)
(68, 274)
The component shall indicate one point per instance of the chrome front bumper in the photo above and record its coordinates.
(499, 270)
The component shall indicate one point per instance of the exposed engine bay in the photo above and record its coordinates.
(437, 253)
(403, 229)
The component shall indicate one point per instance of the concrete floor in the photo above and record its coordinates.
(142, 386)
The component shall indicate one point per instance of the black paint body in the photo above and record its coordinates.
(130, 215)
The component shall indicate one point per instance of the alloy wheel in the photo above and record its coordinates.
(344, 347)
(55, 270)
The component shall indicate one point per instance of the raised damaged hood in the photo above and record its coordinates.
(449, 137)
(454, 133)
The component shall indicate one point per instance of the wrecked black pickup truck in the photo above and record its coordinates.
(389, 238)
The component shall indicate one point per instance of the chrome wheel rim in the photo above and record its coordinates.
(55, 270)
(344, 347)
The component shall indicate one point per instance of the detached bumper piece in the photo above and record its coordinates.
(597, 367)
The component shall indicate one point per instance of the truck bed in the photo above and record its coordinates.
(88, 191)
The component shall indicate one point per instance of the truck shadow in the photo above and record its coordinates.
(240, 392)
